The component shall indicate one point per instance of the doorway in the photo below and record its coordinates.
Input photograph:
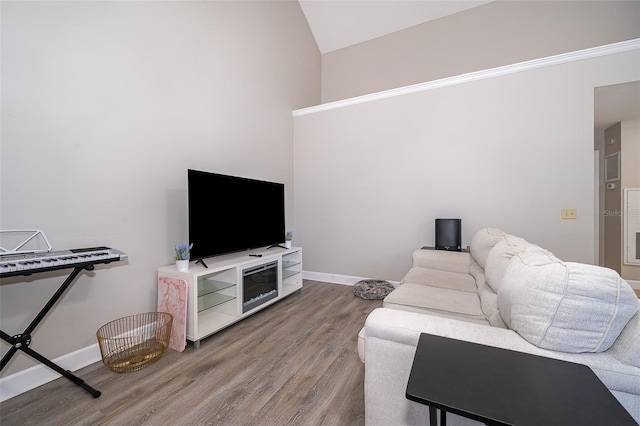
(614, 107)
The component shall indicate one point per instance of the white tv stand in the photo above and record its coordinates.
(215, 293)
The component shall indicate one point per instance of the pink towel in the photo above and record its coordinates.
(172, 298)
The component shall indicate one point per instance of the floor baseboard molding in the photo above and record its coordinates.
(337, 279)
(25, 380)
(634, 284)
(38, 375)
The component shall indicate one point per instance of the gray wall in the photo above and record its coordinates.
(498, 33)
(104, 107)
(508, 152)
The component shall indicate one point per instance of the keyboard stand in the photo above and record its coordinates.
(22, 341)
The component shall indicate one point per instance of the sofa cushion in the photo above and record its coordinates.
(442, 260)
(488, 297)
(482, 243)
(564, 306)
(422, 298)
(499, 257)
(441, 279)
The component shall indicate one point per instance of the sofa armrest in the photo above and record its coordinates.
(405, 327)
(451, 261)
(391, 340)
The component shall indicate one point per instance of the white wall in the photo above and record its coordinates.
(499, 33)
(508, 152)
(104, 107)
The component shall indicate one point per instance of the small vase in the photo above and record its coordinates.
(287, 244)
(182, 265)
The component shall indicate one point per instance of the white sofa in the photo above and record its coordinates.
(507, 293)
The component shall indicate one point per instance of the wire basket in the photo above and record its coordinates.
(131, 343)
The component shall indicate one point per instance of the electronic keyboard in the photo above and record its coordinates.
(28, 263)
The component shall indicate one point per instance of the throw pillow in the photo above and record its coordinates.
(482, 243)
(564, 306)
(499, 258)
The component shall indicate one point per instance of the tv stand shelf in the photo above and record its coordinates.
(215, 294)
(287, 274)
(211, 300)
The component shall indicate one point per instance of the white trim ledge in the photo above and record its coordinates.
(337, 279)
(579, 55)
(38, 375)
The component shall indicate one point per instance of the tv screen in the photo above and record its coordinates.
(229, 214)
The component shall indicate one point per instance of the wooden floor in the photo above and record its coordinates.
(294, 363)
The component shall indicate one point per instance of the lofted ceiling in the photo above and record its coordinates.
(340, 23)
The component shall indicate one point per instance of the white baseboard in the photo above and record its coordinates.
(25, 380)
(38, 375)
(337, 279)
(349, 280)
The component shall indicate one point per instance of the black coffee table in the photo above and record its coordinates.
(502, 387)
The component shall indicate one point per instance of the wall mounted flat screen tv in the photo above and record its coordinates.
(229, 214)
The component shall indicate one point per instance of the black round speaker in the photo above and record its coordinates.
(449, 234)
